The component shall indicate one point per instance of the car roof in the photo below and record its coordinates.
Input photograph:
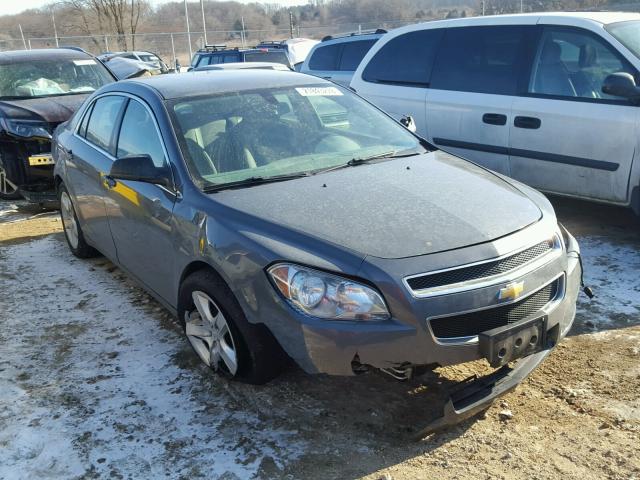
(559, 18)
(202, 83)
(354, 37)
(243, 66)
(17, 56)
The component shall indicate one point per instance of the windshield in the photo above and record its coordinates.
(52, 77)
(264, 133)
(274, 57)
(628, 34)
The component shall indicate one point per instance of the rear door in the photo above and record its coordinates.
(92, 154)
(473, 85)
(567, 136)
(398, 75)
(140, 214)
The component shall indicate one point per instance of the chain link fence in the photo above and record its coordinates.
(176, 46)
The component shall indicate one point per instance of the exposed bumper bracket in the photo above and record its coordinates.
(477, 395)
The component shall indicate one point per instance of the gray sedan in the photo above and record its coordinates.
(280, 216)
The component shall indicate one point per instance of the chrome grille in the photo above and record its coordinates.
(474, 323)
(480, 270)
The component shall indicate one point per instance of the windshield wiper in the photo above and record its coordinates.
(246, 182)
(361, 160)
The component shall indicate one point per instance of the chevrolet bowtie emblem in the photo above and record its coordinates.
(511, 291)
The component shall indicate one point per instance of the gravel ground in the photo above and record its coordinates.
(97, 381)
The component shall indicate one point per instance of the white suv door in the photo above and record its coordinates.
(566, 135)
(395, 77)
(473, 86)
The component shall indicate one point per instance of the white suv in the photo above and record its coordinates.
(336, 58)
(549, 99)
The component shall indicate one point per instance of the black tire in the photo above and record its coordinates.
(260, 357)
(10, 177)
(79, 247)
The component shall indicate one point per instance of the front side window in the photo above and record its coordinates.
(139, 136)
(32, 79)
(263, 133)
(574, 64)
(481, 59)
(405, 60)
(353, 53)
(325, 58)
(103, 120)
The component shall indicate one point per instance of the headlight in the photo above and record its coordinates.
(27, 128)
(323, 295)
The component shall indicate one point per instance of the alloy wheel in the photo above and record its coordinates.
(69, 220)
(209, 333)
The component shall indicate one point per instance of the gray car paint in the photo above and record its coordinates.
(232, 232)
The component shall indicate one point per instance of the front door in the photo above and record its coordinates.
(141, 214)
(566, 135)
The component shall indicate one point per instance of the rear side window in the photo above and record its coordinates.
(102, 123)
(353, 53)
(481, 59)
(273, 57)
(325, 58)
(405, 60)
(231, 58)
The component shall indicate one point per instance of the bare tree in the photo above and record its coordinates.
(106, 17)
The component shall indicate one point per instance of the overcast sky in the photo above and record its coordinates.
(13, 6)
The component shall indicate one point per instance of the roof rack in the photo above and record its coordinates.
(377, 31)
(213, 48)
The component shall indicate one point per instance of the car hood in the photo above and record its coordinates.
(50, 109)
(393, 209)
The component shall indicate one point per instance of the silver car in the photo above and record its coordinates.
(281, 216)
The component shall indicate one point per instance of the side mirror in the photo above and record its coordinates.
(621, 84)
(140, 168)
(409, 123)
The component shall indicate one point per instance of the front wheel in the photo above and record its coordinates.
(72, 230)
(221, 336)
(8, 188)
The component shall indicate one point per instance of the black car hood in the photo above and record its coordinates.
(393, 209)
(54, 109)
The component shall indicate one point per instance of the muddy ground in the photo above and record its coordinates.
(97, 381)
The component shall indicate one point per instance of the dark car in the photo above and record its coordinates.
(271, 230)
(214, 54)
(39, 89)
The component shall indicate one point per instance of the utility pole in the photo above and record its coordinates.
(186, 16)
(521, 10)
(22, 35)
(291, 23)
(483, 8)
(204, 24)
(55, 30)
(243, 33)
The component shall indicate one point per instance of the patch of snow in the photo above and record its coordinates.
(613, 272)
(94, 384)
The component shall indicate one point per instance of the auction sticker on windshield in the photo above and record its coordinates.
(319, 91)
(84, 62)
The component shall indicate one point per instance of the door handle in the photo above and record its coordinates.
(110, 181)
(532, 123)
(494, 118)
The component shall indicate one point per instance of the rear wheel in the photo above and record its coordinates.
(220, 334)
(72, 230)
